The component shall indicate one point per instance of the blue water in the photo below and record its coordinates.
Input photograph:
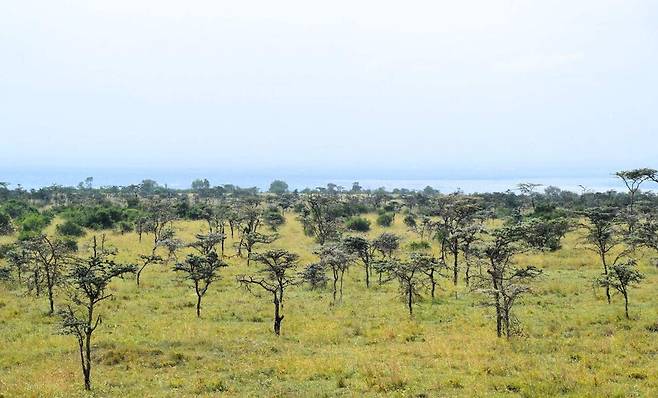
(183, 179)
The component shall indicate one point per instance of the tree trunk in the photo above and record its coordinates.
(433, 282)
(454, 268)
(626, 304)
(335, 280)
(51, 300)
(277, 317)
(341, 285)
(410, 300)
(605, 271)
(198, 306)
(367, 275)
(87, 365)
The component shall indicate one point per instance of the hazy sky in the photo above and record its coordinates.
(404, 88)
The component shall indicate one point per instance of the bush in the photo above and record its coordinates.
(274, 218)
(125, 227)
(32, 225)
(5, 223)
(69, 228)
(385, 219)
(417, 246)
(359, 224)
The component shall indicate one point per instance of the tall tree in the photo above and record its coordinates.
(88, 279)
(633, 179)
(274, 277)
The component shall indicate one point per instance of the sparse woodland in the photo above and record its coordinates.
(144, 290)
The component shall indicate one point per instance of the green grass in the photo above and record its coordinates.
(152, 345)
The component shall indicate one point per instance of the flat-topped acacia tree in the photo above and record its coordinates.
(621, 277)
(603, 238)
(49, 255)
(504, 282)
(275, 276)
(364, 250)
(88, 279)
(334, 257)
(202, 268)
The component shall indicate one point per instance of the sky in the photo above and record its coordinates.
(381, 89)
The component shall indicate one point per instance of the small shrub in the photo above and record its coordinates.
(69, 228)
(386, 219)
(417, 246)
(359, 224)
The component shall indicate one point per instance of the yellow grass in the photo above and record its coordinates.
(152, 345)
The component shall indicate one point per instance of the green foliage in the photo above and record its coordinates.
(419, 246)
(385, 219)
(32, 225)
(273, 218)
(104, 216)
(6, 226)
(70, 228)
(17, 209)
(359, 224)
(278, 187)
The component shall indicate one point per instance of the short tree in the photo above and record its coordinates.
(504, 283)
(278, 187)
(49, 255)
(251, 239)
(358, 224)
(621, 277)
(602, 237)
(410, 275)
(202, 269)
(274, 277)
(319, 217)
(88, 280)
(385, 219)
(335, 258)
(364, 250)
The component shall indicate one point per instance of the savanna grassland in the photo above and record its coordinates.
(151, 344)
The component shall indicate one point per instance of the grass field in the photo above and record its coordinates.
(152, 345)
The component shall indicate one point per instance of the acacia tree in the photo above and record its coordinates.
(274, 277)
(646, 233)
(319, 217)
(49, 256)
(457, 213)
(633, 179)
(622, 276)
(335, 258)
(18, 258)
(316, 276)
(432, 268)
(504, 282)
(602, 237)
(88, 279)
(159, 216)
(386, 244)
(364, 250)
(251, 239)
(202, 269)
(410, 275)
(528, 188)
